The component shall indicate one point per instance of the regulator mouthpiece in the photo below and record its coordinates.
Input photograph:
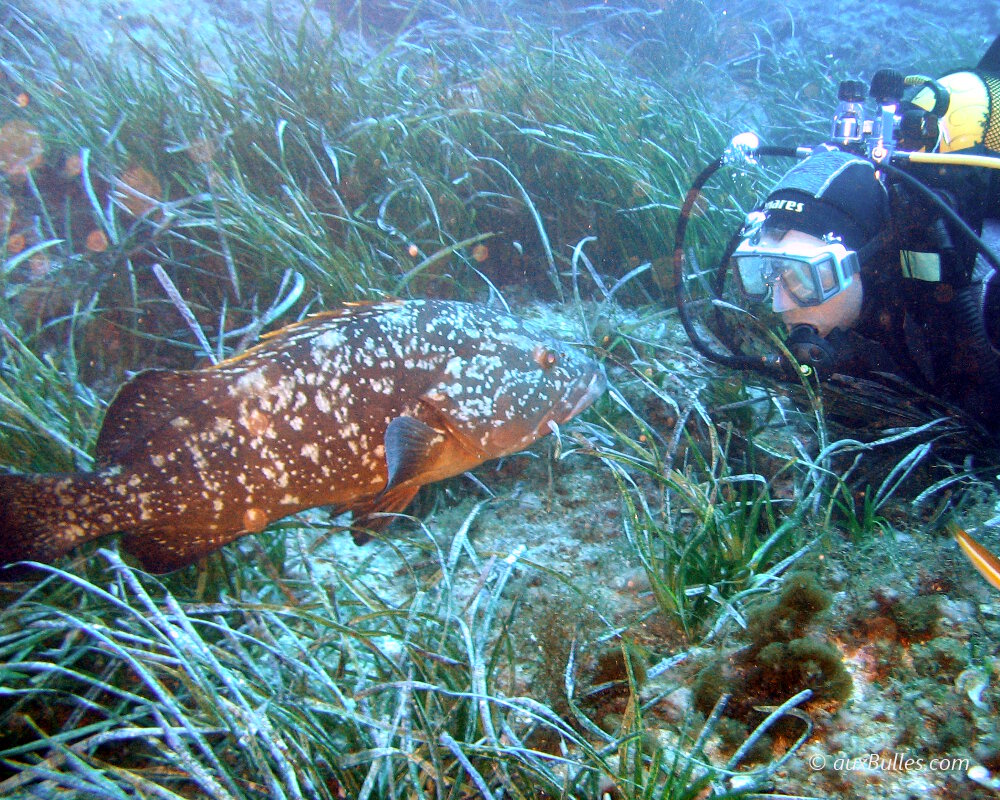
(810, 348)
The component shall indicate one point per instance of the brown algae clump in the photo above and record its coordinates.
(138, 190)
(72, 166)
(21, 149)
(97, 241)
(782, 659)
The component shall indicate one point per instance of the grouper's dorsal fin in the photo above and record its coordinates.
(409, 444)
(275, 338)
(143, 406)
(990, 62)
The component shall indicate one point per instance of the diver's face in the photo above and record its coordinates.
(840, 311)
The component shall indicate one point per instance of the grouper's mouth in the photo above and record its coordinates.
(594, 389)
(579, 399)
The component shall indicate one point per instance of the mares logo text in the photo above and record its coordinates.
(784, 205)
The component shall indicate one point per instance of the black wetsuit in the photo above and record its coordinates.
(923, 315)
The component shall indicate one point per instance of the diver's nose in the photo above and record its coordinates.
(781, 298)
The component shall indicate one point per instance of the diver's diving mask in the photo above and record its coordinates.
(810, 274)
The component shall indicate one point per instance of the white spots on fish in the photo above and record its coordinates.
(146, 512)
(289, 500)
(396, 343)
(421, 364)
(74, 532)
(197, 457)
(480, 368)
(475, 408)
(328, 340)
(253, 383)
(295, 423)
(283, 392)
(350, 431)
(254, 520)
(180, 423)
(322, 402)
(384, 385)
(256, 422)
(223, 426)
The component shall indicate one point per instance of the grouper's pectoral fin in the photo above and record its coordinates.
(367, 517)
(412, 451)
(411, 448)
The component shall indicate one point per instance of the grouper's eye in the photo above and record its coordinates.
(544, 357)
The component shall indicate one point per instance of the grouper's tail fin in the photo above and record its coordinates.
(44, 516)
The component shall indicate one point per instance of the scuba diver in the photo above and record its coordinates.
(878, 248)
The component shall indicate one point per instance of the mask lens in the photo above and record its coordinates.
(797, 277)
(753, 276)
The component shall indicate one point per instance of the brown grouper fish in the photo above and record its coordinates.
(356, 409)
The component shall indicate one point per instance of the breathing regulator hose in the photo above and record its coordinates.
(747, 153)
(772, 364)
